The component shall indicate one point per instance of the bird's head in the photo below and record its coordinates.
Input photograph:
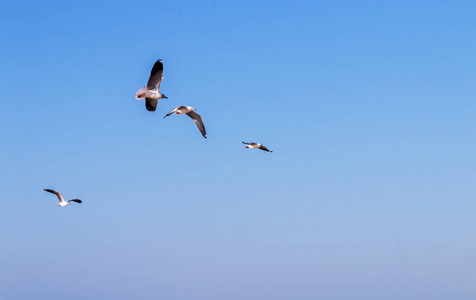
(191, 108)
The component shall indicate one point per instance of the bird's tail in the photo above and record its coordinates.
(141, 93)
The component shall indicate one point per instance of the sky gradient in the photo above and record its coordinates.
(368, 106)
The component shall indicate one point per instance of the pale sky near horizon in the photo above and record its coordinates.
(368, 106)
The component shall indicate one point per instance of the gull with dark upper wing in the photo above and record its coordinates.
(151, 92)
(257, 146)
(190, 111)
(61, 199)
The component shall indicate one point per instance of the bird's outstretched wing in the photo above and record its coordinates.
(76, 200)
(198, 120)
(172, 111)
(58, 194)
(156, 75)
(151, 104)
(264, 148)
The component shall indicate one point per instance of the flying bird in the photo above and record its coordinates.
(256, 145)
(61, 199)
(190, 111)
(151, 91)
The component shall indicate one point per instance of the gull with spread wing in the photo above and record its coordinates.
(61, 199)
(257, 146)
(151, 92)
(190, 111)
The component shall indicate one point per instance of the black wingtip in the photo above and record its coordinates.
(158, 66)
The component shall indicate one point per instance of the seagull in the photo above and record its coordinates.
(151, 91)
(190, 111)
(256, 145)
(61, 199)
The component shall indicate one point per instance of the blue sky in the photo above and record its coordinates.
(368, 106)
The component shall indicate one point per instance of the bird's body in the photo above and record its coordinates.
(61, 199)
(190, 111)
(63, 203)
(256, 146)
(151, 92)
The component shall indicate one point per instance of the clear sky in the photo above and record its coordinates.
(369, 107)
